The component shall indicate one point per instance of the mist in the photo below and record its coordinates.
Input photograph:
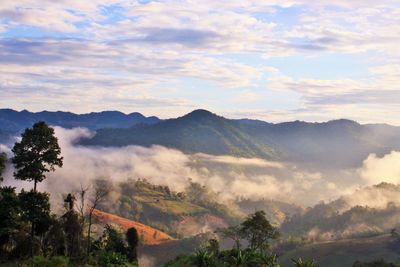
(383, 169)
(228, 176)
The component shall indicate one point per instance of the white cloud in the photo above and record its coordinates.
(117, 50)
(381, 169)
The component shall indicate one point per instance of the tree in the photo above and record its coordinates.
(73, 232)
(36, 154)
(9, 217)
(132, 238)
(232, 232)
(2, 165)
(258, 231)
(35, 207)
(99, 195)
(113, 240)
(69, 202)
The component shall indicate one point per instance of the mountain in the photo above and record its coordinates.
(334, 144)
(199, 131)
(331, 145)
(12, 121)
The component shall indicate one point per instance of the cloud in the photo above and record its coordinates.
(377, 169)
(188, 37)
(368, 100)
(228, 176)
(95, 50)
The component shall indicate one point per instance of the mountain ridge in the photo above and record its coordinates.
(334, 144)
(13, 121)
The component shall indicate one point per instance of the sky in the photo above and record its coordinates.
(312, 60)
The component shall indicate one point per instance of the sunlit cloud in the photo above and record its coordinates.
(119, 54)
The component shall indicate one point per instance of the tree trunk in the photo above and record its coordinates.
(33, 223)
(88, 235)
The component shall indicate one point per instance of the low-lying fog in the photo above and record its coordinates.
(231, 177)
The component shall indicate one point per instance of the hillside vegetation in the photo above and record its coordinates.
(177, 213)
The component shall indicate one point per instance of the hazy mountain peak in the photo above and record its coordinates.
(200, 113)
(343, 122)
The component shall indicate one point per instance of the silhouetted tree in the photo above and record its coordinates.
(132, 238)
(36, 154)
(35, 207)
(258, 231)
(9, 217)
(69, 201)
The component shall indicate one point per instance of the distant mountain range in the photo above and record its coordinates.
(12, 121)
(339, 143)
(333, 144)
(198, 131)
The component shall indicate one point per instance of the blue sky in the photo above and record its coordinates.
(270, 60)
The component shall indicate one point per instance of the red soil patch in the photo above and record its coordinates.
(150, 235)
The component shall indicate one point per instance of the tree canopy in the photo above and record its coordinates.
(258, 230)
(37, 153)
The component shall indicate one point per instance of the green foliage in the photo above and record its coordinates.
(35, 207)
(204, 258)
(73, 231)
(256, 229)
(227, 258)
(54, 240)
(57, 261)
(112, 240)
(10, 220)
(36, 154)
(110, 259)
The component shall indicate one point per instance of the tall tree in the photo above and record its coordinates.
(36, 154)
(258, 231)
(2, 165)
